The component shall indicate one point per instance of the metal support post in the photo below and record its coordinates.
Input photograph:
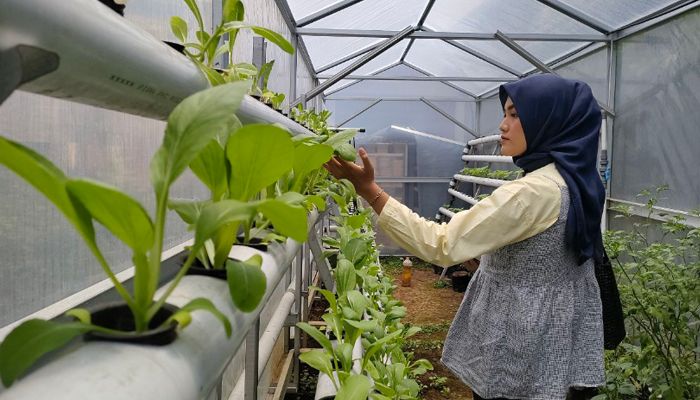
(251, 361)
(298, 303)
(388, 67)
(384, 46)
(259, 58)
(478, 117)
(321, 262)
(349, 57)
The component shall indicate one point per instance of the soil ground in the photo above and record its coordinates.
(432, 308)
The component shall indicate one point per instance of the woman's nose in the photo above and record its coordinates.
(503, 127)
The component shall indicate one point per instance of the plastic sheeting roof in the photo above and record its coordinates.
(458, 58)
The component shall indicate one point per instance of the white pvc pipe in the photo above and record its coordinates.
(485, 139)
(491, 159)
(480, 181)
(462, 196)
(324, 387)
(446, 212)
(106, 61)
(267, 340)
(183, 370)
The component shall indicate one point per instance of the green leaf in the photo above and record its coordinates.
(319, 360)
(123, 216)
(288, 220)
(203, 304)
(191, 125)
(355, 387)
(291, 198)
(210, 166)
(345, 277)
(31, 340)
(316, 335)
(217, 215)
(346, 151)
(268, 34)
(318, 201)
(264, 73)
(358, 302)
(365, 326)
(188, 210)
(179, 28)
(246, 282)
(339, 138)
(355, 250)
(247, 69)
(343, 353)
(259, 156)
(309, 158)
(275, 38)
(192, 4)
(233, 10)
(81, 314)
(330, 297)
(182, 318)
(49, 180)
(355, 221)
(212, 75)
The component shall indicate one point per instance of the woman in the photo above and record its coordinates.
(530, 324)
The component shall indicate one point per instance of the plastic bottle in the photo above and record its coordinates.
(407, 272)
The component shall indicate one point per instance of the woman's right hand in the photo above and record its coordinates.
(362, 177)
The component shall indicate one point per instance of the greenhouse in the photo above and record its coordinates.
(349, 199)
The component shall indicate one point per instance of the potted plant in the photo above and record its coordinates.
(190, 126)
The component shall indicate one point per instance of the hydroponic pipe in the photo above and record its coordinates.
(491, 159)
(446, 212)
(462, 196)
(186, 369)
(480, 181)
(106, 61)
(267, 340)
(484, 139)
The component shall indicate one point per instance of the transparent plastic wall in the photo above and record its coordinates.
(43, 260)
(655, 139)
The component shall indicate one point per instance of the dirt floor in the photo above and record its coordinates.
(431, 307)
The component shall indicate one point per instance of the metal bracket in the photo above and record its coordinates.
(21, 64)
(322, 264)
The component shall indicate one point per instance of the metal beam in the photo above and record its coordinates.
(347, 58)
(480, 55)
(578, 15)
(421, 21)
(655, 18)
(448, 116)
(366, 98)
(357, 114)
(384, 46)
(547, 37)
(536, 62)
(425, 78)
(323, 13)
(519, 50)
(291, 25)
(452, 85)
(390, 66)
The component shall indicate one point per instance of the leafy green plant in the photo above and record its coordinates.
(660, 290)
(440, 284)
(191, 125)
(206, 47)
(482, 172)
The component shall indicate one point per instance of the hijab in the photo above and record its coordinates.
(561, 121)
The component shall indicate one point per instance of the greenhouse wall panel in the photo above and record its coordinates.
(657, 103)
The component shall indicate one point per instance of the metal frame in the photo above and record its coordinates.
(291, 25)
(384, 46)
(323, 13)
(357, 114)
(578, 15)
(379, 71)
(448, 116)
(452, 85)
(547, 37)
(421, 21)
(423, 78)
(363, 98)
(347, 58)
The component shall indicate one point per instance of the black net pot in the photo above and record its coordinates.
(118, 316)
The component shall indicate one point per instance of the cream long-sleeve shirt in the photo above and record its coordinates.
(512, 213)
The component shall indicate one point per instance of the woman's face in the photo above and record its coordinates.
(513, 141)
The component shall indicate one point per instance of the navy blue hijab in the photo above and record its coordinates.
(561, 121)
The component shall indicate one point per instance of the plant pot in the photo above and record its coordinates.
(180, 48)
(117, 8)
(460, 281)
(197, 268)
(118, 316)
(255, 243)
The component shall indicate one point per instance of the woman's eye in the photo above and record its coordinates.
(514, 115)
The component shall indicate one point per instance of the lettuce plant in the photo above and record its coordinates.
(191, 125)
(205, 50)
